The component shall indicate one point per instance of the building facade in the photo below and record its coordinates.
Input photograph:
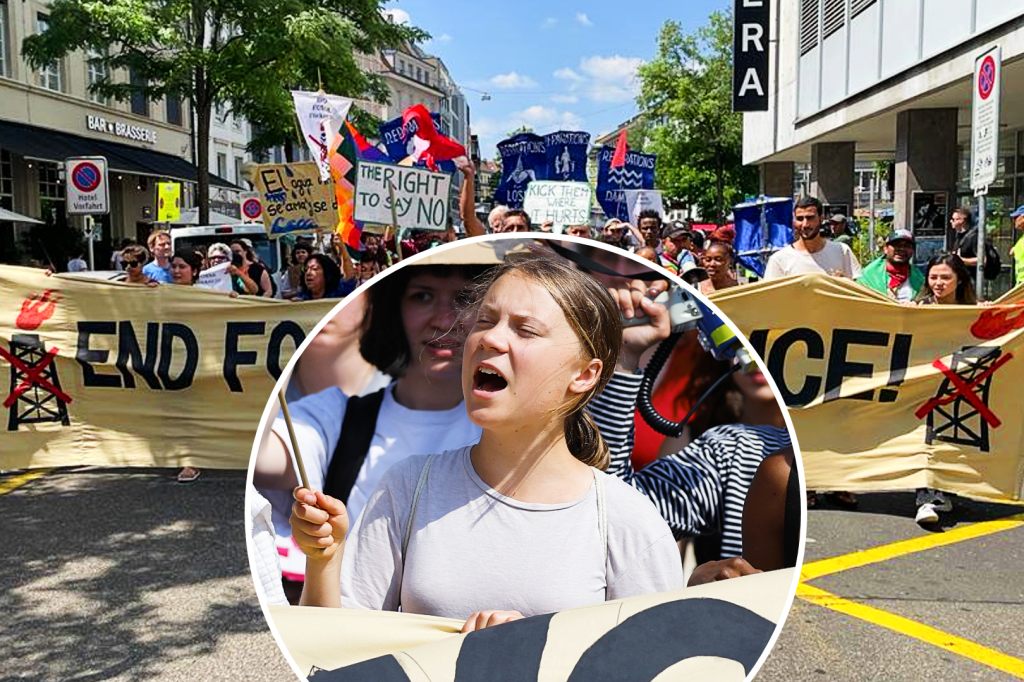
(49, 114)
(855, 82)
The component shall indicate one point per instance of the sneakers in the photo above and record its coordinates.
(926, 514)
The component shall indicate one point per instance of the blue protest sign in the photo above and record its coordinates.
(762, 227)
(399, 146)
(567, 155)
(523, 158)
(638, 173)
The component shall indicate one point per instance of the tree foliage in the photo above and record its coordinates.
(243, 54)
(686, 100)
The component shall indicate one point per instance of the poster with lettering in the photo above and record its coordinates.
(563, 203)
(294, 198)
(420, 196)
(523, 159)
(567, 155)
(640, 200)
(638, 173)
(398, 143)
(313, 110)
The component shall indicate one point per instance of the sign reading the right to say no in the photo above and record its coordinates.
(420, 196)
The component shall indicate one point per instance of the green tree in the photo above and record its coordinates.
(243, 54)
(686, 101)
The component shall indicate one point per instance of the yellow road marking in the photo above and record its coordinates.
(15, 482)
(817, 569)
(905, 626)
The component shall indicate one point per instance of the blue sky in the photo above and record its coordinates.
(547, 65)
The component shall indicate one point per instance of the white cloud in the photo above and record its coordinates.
(399, 16)
(583, 19)
(548, 23)
(512, 81)
(443, 38)
(603, 78)
(565, 99)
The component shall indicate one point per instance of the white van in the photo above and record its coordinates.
(200, 238)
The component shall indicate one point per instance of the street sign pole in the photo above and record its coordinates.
(985, 99)
(90, 226)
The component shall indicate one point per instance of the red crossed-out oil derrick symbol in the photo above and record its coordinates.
(959, 412)
(34, 382)
(36, 309)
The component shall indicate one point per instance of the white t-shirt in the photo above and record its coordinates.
(835, 257)
(77, 265)
(472, 548)
(399, 433)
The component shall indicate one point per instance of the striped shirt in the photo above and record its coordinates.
(700, 489)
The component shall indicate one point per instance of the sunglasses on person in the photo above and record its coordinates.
(131, 264)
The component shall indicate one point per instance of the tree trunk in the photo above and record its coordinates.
(204, 107)
(289, 151)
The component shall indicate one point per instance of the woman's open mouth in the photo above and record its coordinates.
(488, 380)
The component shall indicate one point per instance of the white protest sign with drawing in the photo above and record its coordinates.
(216, 278)
(638, 200)
(563, 203)
(314, 109)
(420, 196)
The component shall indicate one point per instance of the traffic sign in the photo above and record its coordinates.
(86, 186)
(985, 120)
(252, 209)
(168, 202)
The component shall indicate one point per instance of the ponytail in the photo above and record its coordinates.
(584, 439)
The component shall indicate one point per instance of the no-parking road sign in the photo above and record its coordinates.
(86, 185)
(251, 208)
(985, 119)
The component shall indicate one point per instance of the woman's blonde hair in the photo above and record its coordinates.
(592, 315)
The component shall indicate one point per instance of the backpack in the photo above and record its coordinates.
(357, 430)
(993, 265)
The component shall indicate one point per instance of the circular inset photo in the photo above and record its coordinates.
(525, 456)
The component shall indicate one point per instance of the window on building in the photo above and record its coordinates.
(238, 170)
(6, 180)
(48, 76)
(174, 109)
(140, 105)
(51, 194)
(4, 39)
(419, 73)
(809, 33)
(95, 71)
(222, 165)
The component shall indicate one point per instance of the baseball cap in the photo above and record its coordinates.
(837, 218)
(900, 235)
(678, 230)
(1017, 212)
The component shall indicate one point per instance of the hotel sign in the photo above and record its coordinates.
(128, 131)
(750, 55)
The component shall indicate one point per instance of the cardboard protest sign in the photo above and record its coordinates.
(713, 631)
(421, 197)
(563, 203)
(114, 374)
(639, 200)
(892, 397)
(294, 198)
(216, 278)
(315, 110)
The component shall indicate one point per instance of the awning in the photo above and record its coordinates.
(53, 145)
(12, 217)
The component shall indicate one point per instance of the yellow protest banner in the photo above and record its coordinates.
(892, 397)
(168, 204)
(115, 374)
(294, 198)
(713, 631)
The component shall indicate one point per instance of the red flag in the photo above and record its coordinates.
(619, 157)
(436, 147)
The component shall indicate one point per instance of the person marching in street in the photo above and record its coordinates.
(811, 252)
(1017, 250)
(159, 243)
(840, 229)
(894, 273)
(965, 238)
(133, 259)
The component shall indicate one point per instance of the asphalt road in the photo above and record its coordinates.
(125, 574)
(972, 589)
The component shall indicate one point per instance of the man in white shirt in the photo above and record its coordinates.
(811, 252)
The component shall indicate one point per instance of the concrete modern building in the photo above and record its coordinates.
(890, 80)
(48, 114)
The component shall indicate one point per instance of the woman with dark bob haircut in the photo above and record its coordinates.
(410, 331)
(321, 279)
(947, 282)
